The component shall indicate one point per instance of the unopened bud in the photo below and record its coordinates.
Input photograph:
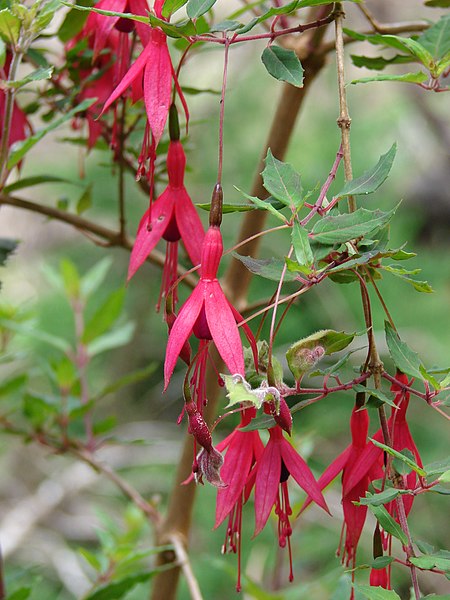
(301, 360)
(198, 426)
(284, 417)
(215, 213)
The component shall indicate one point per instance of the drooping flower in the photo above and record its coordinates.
(354, 515)
(150, 77)
(171, 217)
(278, 461)
(208, 314)
(243, 450)
(101, 27)
(401, 439)
(380, 578)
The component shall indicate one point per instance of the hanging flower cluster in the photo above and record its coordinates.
(242, 467)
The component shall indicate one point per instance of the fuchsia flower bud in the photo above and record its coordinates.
(198, 426)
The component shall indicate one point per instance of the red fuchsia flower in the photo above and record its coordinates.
(401, 439)
(243, 450)
(20, 126)
(102, 27)
(171, 217)
(354, 516)
(151, 78)
(278, 461)
(208, 314)
(380, 578)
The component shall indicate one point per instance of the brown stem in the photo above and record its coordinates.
(113, 238)
(236, 283)
(128, 490)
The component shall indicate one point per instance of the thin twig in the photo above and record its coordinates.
(183, 562)
(127, 489)
(84, 225)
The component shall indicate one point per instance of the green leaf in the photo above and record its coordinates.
(37, 75)
(420, 286)
(270, 268)
(381, 498)
(12, 384)
(437, 468)
(2, 53)
(304, 355)
(263, 422)
(21, 594)
(302, 247)
(404, 358)
(92, 280)
(229, 208)
(70, 277)
(400, 465)
(400, 456)
(283, 64)
(264, 204)
(418, 77)
(445, 477)
(9, 26)
(371, 179)
(438, 3)
(19, 149)
(128, 379)
(73, 22)
(282, 181)
(389, 524)
(240, 392)
(295, 267)
(381, 562)
(378, 394)
(91, 559)
(171, 6)
(7, 247)
(31, 332)
(85, 200)
(105, 316)
(113, 339)
(106, 13)
(38, 409)
(197, 8)
(27, 182)
(181, 29)
(118, 589)
(376, 593)
(436, 39)
(346, 227)
(378, 63)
